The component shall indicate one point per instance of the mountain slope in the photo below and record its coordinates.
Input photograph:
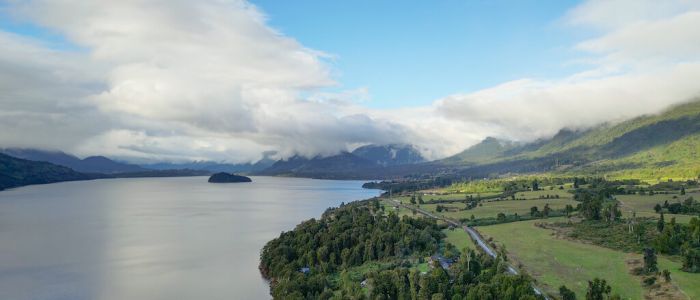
(15, 172)
(92, 164)
(650, 147)
(344, 165)
(367, 162)
(390, 155)
(487, 150)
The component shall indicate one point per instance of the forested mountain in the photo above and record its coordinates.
(16, 172)
(344, 165)
(367, 162)
(92, 164)
(665, 145)
(487, 150)
(390, 155)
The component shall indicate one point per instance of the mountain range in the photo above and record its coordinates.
(660, 146)
(92, 164)
(650, 147)
(366, 162)
(16, 172)
(216, 167)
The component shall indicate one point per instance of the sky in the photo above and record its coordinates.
(227, 80)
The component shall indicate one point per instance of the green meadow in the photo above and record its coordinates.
(555, 262)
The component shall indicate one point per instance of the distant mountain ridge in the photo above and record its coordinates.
(15, 172)
(390, 155)
(367, 162)
(92, 164)
(214, 167)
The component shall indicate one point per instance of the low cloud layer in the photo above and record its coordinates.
(209, 80)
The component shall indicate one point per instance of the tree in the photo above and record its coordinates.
(534, 211)
(667, 275)
(535, 185)
(568, 209)
(420, 199)
(682, 190)
(650, 265)
(598, 289)
(661, 223)
(546, 210)
(657, 208)
(566, 293)
(590, 208)
(413, 199)
(639, 233)
(501, 217)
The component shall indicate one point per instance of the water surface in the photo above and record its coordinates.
(151, 238)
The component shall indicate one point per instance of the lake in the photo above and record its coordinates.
(152, 238)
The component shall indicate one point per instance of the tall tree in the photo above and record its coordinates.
(650, 264)
(660, 223)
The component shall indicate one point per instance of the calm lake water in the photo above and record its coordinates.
(152, 238)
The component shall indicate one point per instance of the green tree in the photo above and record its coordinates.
(546, 210)
(591, 207)
(660, 223)
(501, 217)
(534, 211)
(569, 209)
(566, 293)
(650, 264)
(598, 289)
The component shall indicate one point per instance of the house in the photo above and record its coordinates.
(439, 260)
(305, 270)
(363, 283)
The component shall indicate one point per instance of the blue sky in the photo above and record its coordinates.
(412, 53)
(206, 80)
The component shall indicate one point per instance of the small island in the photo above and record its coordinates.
(223, 177)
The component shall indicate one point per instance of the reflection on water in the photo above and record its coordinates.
(151, 238)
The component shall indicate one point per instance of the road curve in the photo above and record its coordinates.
(476, 237)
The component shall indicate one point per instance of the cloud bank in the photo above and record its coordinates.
(210, 80)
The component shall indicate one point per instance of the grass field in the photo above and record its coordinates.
(428, 197)
(643, 205)
(400, 211)
(688, 282)
(459, 238)
(492, 208)
(555, 262)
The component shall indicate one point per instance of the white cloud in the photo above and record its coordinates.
(646, 59)
(181, 80)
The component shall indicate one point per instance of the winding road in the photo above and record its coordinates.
(475, 236)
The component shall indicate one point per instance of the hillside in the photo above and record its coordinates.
(649, 147)
(92, 164)
(214, 167)
(489, 149)
(389, 155)
(345, 165)
(15, 172)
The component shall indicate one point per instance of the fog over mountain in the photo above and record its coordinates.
(183, 81)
